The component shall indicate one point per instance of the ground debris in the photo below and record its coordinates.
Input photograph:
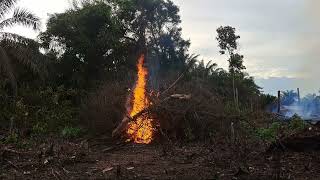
(133, 161)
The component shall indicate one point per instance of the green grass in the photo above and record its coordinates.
(71, 132)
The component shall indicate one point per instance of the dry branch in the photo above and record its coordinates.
(173, 84)
(13, 165)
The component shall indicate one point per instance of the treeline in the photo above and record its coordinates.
(80, 69)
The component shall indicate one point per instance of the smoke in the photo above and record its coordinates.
(309, 43)
(308, 107)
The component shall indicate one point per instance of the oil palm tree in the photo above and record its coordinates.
(16, 49)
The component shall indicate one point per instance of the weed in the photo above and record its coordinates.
(297, 124)
(269, 133)
(39, 129)
(12, 138)
(71, 132)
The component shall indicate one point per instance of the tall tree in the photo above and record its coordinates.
(155, 26)
(15, 49)
(103, 36)
(88, 41)
(227, 40)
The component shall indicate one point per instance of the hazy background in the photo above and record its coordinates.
(279, 39)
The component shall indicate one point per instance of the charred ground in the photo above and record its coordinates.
(102, 158)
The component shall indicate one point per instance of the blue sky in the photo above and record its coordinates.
(279, 38)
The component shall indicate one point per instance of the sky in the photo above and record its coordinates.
(279, 38)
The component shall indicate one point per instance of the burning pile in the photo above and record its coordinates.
(172, 115)
(140, 131)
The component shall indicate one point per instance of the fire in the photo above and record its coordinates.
(140, 131)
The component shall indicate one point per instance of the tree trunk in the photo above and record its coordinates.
(234, 90)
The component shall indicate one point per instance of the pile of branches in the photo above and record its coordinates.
(187, 110)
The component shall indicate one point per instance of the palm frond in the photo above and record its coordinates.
(7, 70)
(191, 61)
(6, 6)
(22, 17)
(211, 65)
(25, 51)
(15, 38)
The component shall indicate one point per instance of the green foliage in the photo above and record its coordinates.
(297, 124)
(15, 49)
(269, 133)
(236, 80)
(236, 63)
(267, 99)
(227, 39)
(88, 42)
(41, 111)
(56, 108)
(230, 108)
(71, 132)
(12, 138)
(101, 39)
(40, 129)
(221, 82)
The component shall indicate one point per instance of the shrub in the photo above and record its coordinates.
(269, 133)
(296, 123)
(12, 138)
(40, 110)
(282, 129)
(40, 129)
(71, 132)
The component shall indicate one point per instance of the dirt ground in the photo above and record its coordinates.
(105, 159)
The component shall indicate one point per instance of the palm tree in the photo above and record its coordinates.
(16, 49)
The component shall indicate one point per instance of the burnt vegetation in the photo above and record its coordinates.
(62, 97)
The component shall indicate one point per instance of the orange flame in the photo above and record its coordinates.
(140, 131)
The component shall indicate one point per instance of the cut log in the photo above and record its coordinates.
(121, 127)
(181, 96)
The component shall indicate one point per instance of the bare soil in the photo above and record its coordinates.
(104, 159)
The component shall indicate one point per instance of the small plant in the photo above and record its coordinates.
(25, 144)
(71, 132)
(12, 138)
(296, 123)
(269, 133)
(39, 129)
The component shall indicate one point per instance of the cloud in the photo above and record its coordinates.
(278, 41)
(309, 42)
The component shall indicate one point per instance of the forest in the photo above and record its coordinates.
(110, 90)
